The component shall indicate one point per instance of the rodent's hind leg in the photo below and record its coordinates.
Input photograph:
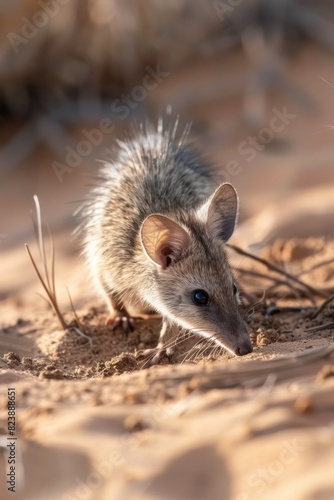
(165, 347)
(119, 316)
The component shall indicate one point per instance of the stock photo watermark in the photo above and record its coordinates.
(254, 144)
(121, 107)
(31, 27)
(262, 477)
(103, 470)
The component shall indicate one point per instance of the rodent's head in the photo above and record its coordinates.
(193, 283)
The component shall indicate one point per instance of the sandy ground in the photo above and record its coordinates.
(95, 422)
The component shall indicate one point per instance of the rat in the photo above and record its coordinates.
(155, 230)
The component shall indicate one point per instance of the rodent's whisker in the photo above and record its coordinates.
(177, 341)
(207, 341)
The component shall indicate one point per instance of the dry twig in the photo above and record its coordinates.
(316, 266)
(273, 267)
(323, 306)
(320, 327)
(48, 280)
(252, 369)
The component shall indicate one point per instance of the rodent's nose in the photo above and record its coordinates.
(244, 348)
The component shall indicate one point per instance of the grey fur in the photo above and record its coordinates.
(158, 174)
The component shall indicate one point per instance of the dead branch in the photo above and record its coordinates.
(276, 269)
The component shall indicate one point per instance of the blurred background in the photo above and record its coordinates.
(254, 77)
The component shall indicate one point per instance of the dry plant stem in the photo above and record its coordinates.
(251, 297)
(320, 327)
(48, 285)
(261, 275)
(276, 269)
(52, 263)
(287, 309)
(280, 365)
(79, 332)
(323, 306)
(41, 243)
(47, 282)
(316, 266)
(48, 292)
(269, 278)
(295, 292)
(73, 309)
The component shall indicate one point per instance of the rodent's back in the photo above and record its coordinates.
(153, 174)
(158, 175)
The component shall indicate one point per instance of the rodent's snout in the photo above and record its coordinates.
(243, 348)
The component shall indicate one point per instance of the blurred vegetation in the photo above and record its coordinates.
(52, 51)
(64, 49)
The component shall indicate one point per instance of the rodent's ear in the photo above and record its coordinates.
(163, 240)
(222, 212)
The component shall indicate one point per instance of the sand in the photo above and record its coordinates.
(97, 423)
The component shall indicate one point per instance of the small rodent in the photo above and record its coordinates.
(155, 231)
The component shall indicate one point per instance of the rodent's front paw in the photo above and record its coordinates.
(121, 322)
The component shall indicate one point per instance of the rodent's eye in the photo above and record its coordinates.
(200, 297)
(235, 289)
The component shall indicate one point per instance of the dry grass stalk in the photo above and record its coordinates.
(317, 328)
(323, 306)
(309, 290)
(47, 274)
(316, 266)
